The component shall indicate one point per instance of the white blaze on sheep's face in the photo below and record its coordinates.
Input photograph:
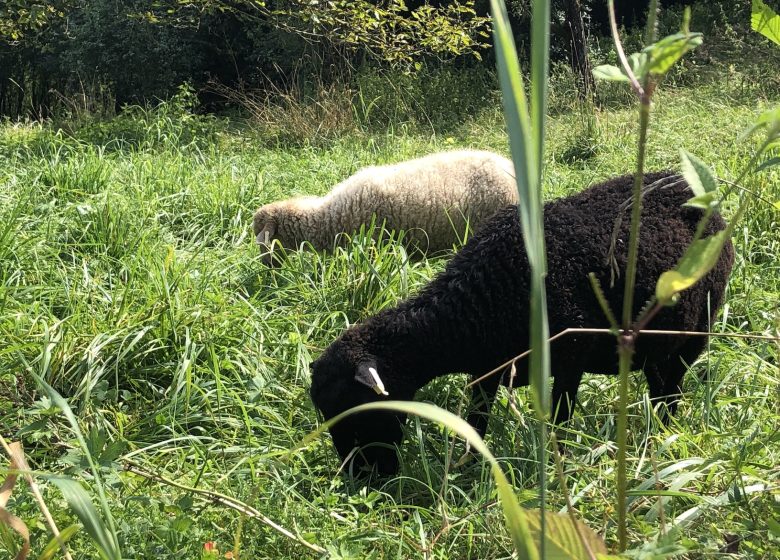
(379, 387)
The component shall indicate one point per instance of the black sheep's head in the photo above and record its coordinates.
(341, 380)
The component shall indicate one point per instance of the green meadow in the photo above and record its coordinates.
(130, 282)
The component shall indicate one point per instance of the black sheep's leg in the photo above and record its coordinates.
(482, 396)
(665, 379)
(564, 395)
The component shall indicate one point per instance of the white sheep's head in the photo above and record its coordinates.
(285, 223)
(266, 228)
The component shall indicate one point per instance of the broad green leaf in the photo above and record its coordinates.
(776, 204)
(774, 527)
(771, 162)
(697, 261)
(698, 174)
(669, 50)
(564, 537)
(609, 72)
(703, 201)
(769, 118)
(514, 515)
(637, 62)
(82, 506)
(764, 20)
(54, 545)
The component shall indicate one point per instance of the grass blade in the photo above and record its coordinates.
(108, 537)
(82, 506)
(514, 515)
(526, 140)
(55, 544)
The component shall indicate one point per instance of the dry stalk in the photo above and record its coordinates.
(16, 453)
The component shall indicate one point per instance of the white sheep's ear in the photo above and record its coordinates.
(266, 235)
(368, 376)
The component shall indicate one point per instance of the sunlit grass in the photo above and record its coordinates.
(130, 282)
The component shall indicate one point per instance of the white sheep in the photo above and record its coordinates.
(432, 199)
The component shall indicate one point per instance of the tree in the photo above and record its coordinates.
(580, 62)
(385, 30)
(18, 17)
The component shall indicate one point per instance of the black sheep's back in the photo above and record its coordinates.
(486, 285)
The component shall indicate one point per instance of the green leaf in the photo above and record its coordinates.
(663, 54)
(697, 261)
(703, 201)
(771, 162)
(637, 62)
(82, 506)
(54, 544)
(699, 176)
(610, 73)
(769, 118)
(566, 538)
(764, 20)
(774, 527)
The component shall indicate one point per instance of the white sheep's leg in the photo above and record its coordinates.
(564, 395)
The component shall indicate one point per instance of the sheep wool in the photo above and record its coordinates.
(430, 198)
(474, 315)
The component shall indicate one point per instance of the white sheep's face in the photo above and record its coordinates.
(265, 227)
(338, 384)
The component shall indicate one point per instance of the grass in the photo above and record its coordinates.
(130, 283)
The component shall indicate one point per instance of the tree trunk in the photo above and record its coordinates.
(580, 62)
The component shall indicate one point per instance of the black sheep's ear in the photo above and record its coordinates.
(367, 375)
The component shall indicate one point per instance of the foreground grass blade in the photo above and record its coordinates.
(104, 534)
(55, 544)
(81, 504)
(564, 538)
(526, 140)
(514, 515)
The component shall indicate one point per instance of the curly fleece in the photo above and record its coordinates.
(430, 198)
(474, 316)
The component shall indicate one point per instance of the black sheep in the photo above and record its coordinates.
(474, 315)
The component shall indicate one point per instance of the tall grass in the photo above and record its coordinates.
(181, 353)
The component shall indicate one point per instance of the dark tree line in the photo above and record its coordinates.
(111, 52)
